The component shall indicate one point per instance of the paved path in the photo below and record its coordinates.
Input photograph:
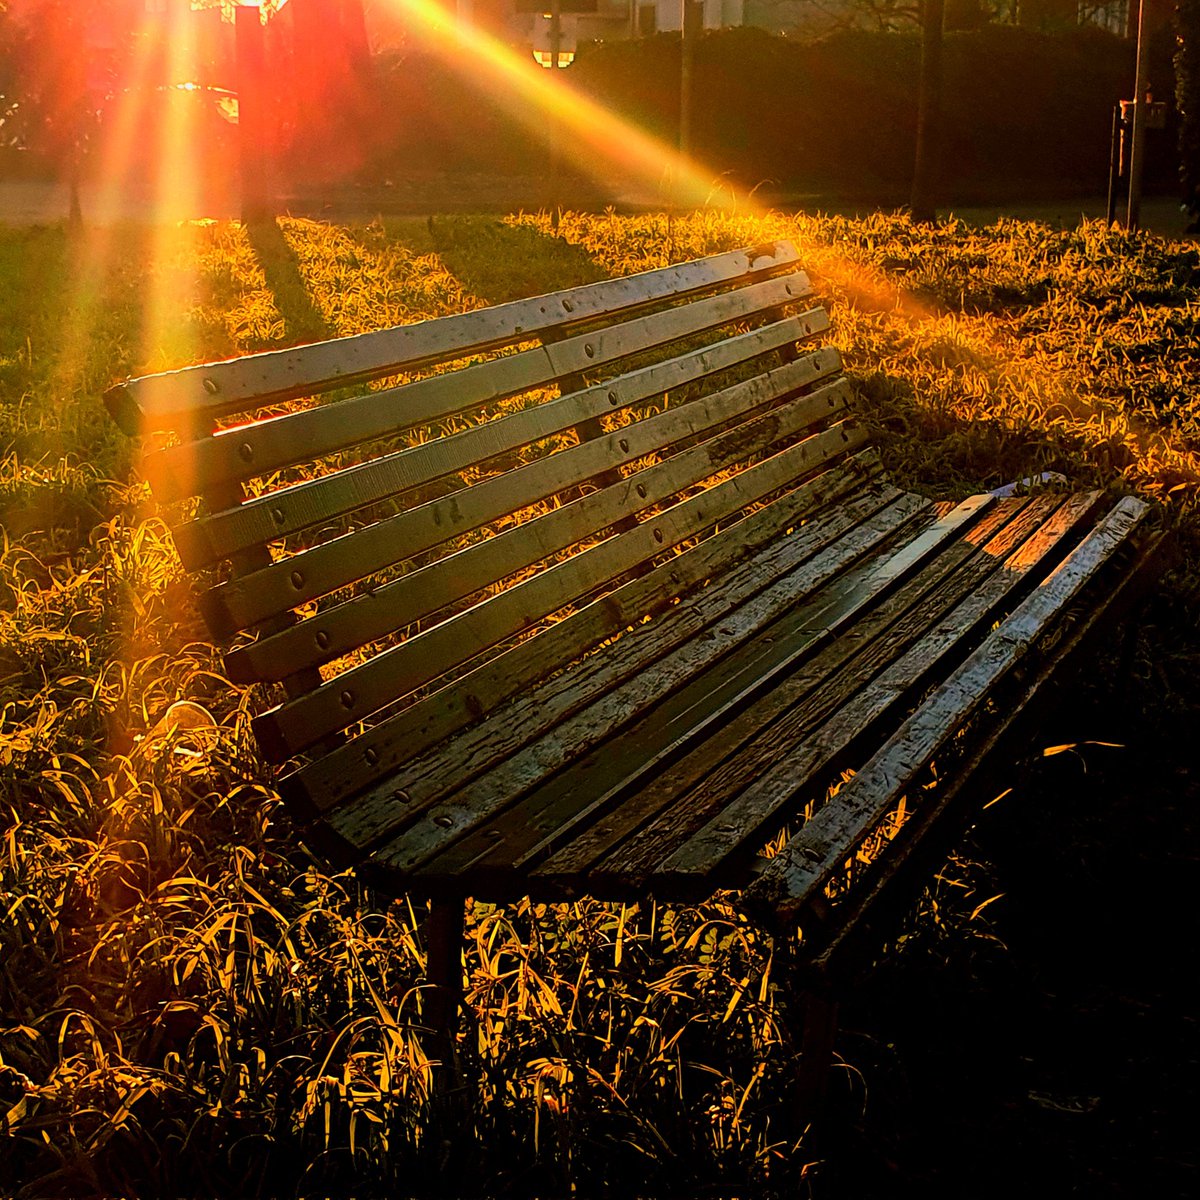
(40, 203)
(36, 203)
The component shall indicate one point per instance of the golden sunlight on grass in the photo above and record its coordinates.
(180, 976)
(938, 301)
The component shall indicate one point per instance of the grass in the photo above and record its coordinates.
(192, 1006)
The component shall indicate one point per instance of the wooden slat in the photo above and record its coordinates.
(922, 841)
(760, 805)
(865, 603)
(394, 606)
(244, 602)
(788, 720)
(382, 751)
(258, 448)
(317, 501)
(216, 389)
(650, 719)
(393, 673)
(485, 768)
(813, 856)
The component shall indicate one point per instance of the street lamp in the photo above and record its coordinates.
(555, 39)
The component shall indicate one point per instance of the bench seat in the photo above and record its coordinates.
(602, 592)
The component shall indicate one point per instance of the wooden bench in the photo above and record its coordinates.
(601, 591)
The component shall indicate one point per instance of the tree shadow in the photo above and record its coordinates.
(303, 321)
(929, 449)
(499, 262)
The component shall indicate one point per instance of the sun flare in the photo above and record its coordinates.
(593, 139)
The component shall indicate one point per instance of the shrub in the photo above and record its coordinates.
(1025, 112)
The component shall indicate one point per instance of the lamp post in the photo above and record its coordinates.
(252, 113)
(554, 42)
(929, 112)
(687, 59)
(554, 50)
(1137, 144)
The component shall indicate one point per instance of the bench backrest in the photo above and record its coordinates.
(527, 469)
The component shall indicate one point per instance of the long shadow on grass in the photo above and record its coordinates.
(302, 320)
(945, 456)
(499, 262)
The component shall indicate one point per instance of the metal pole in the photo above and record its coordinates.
(686, 59)
(555, 128)
(817, 1035)
(929, 109)
(1138, 140)
(685, 79)
(444, 973)
(1114, 165)
(251, 81)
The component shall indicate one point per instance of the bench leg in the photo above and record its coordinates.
(817, 1033)
(450, 1124)
(1127, 656)
(443, 970)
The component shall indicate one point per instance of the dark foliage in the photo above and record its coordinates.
(1187, 100)
(1024, 111)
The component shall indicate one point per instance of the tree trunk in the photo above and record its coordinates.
(252, 115)
(1187, 101)
(75, 212)
(929, 112)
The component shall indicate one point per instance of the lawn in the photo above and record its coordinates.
(190, 1005)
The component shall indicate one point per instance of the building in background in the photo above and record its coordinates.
(516, 21)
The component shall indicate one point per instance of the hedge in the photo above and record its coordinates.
(1025, 112)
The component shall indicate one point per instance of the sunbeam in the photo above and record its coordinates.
(174, 186)
(94, 251)
(598, 142)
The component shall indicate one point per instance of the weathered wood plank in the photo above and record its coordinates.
(393, 673)
(258, 448)
(704, 689)
(803, 725)
(314, 501)
(760, 804)
(385, 749)
(814, 854)
(696, 791)
(251, 382)
(856, 613)
(922, 840)
(243, 602)
(484, 770)
(394, 606)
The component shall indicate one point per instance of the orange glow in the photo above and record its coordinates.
(595, 140)
(141, 105)
(117, 147)
(544, 58)
(179, 137)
